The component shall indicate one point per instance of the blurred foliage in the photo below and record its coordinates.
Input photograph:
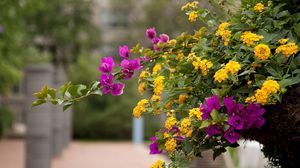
(35, 31)
(6, 119)
(62, 27)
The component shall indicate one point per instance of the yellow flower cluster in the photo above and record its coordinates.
(287, 49)
(170, 122)
(141, 87)
(140, 108)
(224, 32)
(190, 5)
(156, 98)
(185, 127)
(193, 15)
(170, 145)
(259, 7)
(156, 69)
(204, 65)
(158, 85)
(231, 67)
(144, 74)
(179, 56)
(158, 164)
(195, 113)
(262, 51)
(221, 75)
(249, 38)
(262, 95)
(270, 86)
(283, 41)
(250, 99)
(182, 98)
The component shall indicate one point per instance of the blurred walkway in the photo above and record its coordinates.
(84, 154)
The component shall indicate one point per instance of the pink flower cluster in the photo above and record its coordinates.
(128, 68)
(152, 36)
(239, 117)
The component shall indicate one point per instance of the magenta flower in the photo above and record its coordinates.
(106, 79)
(231, 136)
(205, 111)
(213, 103)
(151, 33)
(106, 82)
(155, 40)
(213, 130)
(129, 67)
(124, 51)
(107, 64)
(174, 129)
(259, 122)
(154, 146)
(117, 89)
(236, 122)
(255, 110)
(107, 86)
(253, 116)
(231, 105)
(163, 38)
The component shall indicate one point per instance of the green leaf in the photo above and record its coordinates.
(204, 124)
(64, 88)
(52, 93)
(297, 29)
(273, 72)
(67, 105)
(94, 85)
(44, 91)
(215, 115)
(289, 82)
(98, 92)
(283, 14)
(38, 102)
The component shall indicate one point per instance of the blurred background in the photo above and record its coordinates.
(51, 42)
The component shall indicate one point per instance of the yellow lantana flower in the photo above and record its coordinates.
(224, 32)
(271, 86)
(232, 67)
(287, 49)
(140, 108)
(221, 75)
(171, 145)
(156, 69)
(283, 41)
(158, 85)
(259, 7)
(158, 164)
(170, 122)
(193, 15)
(262, 51)
(249, 38)
(195, 113)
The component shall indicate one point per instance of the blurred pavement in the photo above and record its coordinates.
(84, 154)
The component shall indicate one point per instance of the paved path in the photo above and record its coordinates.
(84, 155)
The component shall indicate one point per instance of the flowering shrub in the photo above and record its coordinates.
(212, 85)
